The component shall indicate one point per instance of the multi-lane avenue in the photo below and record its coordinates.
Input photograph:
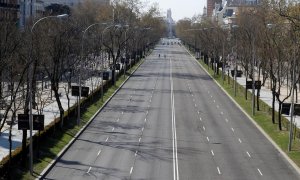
(171, 121)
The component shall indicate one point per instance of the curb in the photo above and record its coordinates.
(62, 152)
(289, 160)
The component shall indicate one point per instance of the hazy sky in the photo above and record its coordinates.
(181, 8)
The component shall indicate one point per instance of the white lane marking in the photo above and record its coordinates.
(212, 152)
(207, 139)
(226, 120)
(195, 105)
(194, 100)
(217, 106)
(113, 129)
(131, 170)
(99, 152)
(200, 119)
(122, 112)
(192, 94)
(142, 129)
(232, 129)
(150, 100)
(198, 112)
(204, 128)
(106, 139)
(211, 96)
(248, 154)
(240, 140)
(214, 101)
(174, 135)
(218, 170)
(145, 119)
(140, 139)
(222, 113)
(135, 153)
(89, 170)
(147, 112)
(118, 120)
(259, 171)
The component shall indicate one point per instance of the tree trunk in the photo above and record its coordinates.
(279, 116)
(257, 99)
(61, 110)
(273, 105)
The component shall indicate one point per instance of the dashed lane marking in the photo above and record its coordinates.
(248, 154)
(218, 170)
(259, 172)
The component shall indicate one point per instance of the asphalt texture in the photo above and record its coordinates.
(171, 121)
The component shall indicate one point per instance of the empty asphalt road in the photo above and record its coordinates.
(170, 121)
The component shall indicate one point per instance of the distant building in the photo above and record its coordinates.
(170, 23)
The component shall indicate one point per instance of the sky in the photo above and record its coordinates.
(181, 8)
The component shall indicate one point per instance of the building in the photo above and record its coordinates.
(9, 10)
(211, 6)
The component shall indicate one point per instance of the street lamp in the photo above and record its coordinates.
(30, 88)
(127, 28)
(81, 58)
(235, 58)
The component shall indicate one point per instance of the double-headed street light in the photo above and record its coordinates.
(81, 66)
(30, 88)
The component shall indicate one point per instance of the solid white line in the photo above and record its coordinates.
(248, 154)
(240, 140)
(89, 170)
(99, 152)
(174, 135)
(203, 128)
(106, 139)
(131, 170)
(140, 139)
(219, 170)
(212, 152)
(259, 171)
(207, 139)
(232, 129)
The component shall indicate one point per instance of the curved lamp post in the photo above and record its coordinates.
(81, 58)
(30, 88)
